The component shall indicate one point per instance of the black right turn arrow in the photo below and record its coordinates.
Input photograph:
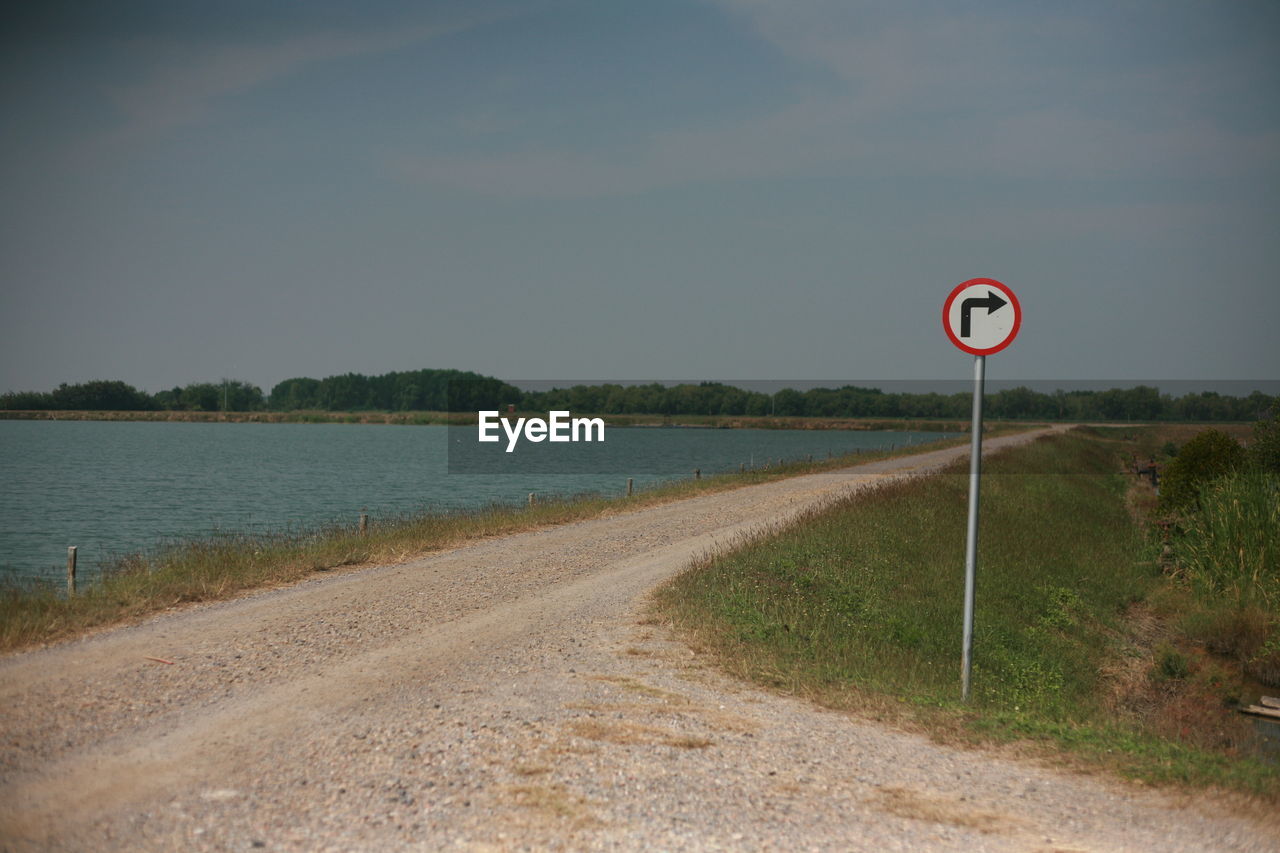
(992, 302)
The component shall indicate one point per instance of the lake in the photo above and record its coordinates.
(114, 488)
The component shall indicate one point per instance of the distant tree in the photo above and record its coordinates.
(293, 394)
(241, 396)
(168, 400)
(26, 400)
(100, 395)
(786, 402)
(201, 397)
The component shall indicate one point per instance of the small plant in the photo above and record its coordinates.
(1171, 664)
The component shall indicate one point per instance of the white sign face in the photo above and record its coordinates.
(982, 316)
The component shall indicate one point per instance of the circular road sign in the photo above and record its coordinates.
(982, 316)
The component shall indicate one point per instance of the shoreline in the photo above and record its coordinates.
(429, 418)
(200, 570)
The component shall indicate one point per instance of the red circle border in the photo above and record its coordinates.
(986, 282)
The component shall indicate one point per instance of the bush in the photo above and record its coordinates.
(1264, 450)
(1171, 664)
(1203, 459)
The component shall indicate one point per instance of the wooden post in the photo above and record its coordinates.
(630, 485)
(71, 570)
(532, 499)
(364, 523)
(697, 473)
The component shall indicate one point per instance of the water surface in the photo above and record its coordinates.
(113, 488)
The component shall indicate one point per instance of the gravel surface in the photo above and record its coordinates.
(507, 695)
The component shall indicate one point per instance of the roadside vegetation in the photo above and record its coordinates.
(32, 613)
(1112, 626)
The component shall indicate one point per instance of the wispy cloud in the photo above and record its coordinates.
(186, 80)
(961, 94)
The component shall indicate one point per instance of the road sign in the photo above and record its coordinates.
(981, 316)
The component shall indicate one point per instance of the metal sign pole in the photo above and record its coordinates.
(971, 549)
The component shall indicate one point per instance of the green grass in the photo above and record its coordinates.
(860, 605)
(1230, 544)
(217, 569)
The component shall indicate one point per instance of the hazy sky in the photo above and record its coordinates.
(770, 189)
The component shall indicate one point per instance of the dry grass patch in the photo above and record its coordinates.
(729, 721)
(715, 718)
(530, 769)
(643, 689)
(555, 802)
(931, 808)
(627, 733)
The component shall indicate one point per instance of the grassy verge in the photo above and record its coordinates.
(219, 569)
(1076, 651)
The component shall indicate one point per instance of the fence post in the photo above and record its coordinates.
(71, 570)
(532, 499)
(697, 473)
(630, 485)
(364, 523)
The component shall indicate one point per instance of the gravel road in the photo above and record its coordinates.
(507, 695)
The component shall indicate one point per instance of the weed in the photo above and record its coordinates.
(1171, 664)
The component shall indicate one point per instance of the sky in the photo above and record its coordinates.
(608, 190)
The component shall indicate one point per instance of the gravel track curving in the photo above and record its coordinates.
(505, 695)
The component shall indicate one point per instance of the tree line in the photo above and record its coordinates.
(398, 391)
(1141, 403)
(463, 391)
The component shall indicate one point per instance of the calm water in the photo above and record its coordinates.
(118, 488)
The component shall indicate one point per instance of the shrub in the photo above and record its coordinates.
(1264, 450)
(1171, 664)
(1209, 455)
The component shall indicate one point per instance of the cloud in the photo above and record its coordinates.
(186, 79)
(938, 94)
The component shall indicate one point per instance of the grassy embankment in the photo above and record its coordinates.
(1083, 645)
(222, 568)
